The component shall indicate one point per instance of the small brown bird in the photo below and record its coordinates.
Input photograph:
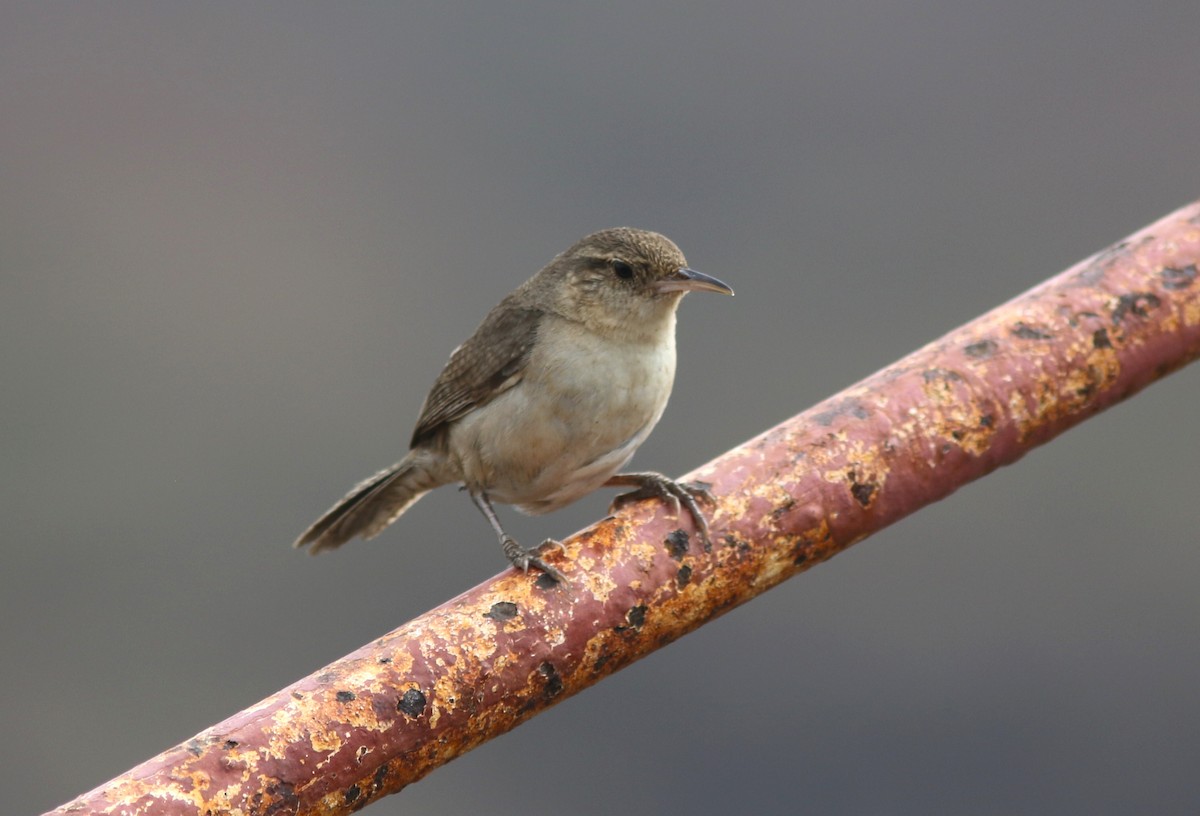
(549, 398)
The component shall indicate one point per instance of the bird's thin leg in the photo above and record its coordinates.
(652, 485)
(517, 555)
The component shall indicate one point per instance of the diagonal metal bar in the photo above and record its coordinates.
(480, 664)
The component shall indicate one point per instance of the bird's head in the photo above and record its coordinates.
(623, 279)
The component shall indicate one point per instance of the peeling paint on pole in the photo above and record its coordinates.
(471, 669)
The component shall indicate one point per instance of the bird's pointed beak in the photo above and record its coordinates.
(689, 280)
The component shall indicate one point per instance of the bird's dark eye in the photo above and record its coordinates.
(622, 269)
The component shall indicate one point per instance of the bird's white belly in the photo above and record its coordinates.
(576, 417)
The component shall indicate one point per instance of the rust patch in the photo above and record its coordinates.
(677, 544)
(502, 611)
(1027, 332)
(1135, 303)
(1178, 277)
(842, 408)
(412, 703)
(981, 349)
(863, 492)
(553, 683)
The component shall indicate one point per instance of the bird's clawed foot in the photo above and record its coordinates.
(523, 559)
(657, 486)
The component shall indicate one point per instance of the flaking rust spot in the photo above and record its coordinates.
(940, 385)
(863, 492)
(444, 699)
(401, 663)
(219, 803)
(776, 501)
(779, 559)
(200, 780)
(968, 428)
(597, 653)
(644, 552)
(1027, 331)
(245, 761)
(737, 505)
(502, 661)
(125, 792)
(814, 544)
(412, 703)
(1051, 400)
(1101, 373)
(1018, 411)
(555, 635)
(1178, 277)
(533, 603)
(599, 583)
(981, 349)
(952, 414)
(553, 682)
(1170, 323)
(139, 796)
(1191, 313)
(325, 740)
(502, 611)
(676, 543)
(278, 798)
(287, 729)
(978, 439)
(864, 476)
(361, 712)
(1135, 303)
(193, 795)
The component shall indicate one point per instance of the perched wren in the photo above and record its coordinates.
(549, 398)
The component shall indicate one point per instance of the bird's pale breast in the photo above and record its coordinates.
(582, 408)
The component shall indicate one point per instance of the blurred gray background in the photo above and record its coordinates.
(237, 243)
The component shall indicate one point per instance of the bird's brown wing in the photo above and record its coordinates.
(489, 363)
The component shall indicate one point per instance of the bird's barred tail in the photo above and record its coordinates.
(372, 504)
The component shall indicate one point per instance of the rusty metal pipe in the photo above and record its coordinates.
(471, 669)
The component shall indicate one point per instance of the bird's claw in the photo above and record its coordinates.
(555, 543)
(657, 486)
(523, 559)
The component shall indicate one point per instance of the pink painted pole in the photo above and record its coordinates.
(475, 667)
